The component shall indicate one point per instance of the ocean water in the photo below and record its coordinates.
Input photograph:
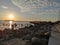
(7, 24)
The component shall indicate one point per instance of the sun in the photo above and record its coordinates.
(11, 16)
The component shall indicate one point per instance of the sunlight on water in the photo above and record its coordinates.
(10, 22)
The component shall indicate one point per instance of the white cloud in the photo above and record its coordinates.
(5, 7)
(29, 5)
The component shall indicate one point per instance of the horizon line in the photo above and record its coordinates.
(29, 21)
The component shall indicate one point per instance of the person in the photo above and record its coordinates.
(55, 35)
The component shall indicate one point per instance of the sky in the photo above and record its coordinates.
(30, 10)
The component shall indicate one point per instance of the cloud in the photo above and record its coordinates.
(5, 7)
(27, 5)
(39, 9)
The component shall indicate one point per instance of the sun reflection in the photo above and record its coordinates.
(10, 22)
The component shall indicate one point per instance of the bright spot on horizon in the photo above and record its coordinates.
(11, 16)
